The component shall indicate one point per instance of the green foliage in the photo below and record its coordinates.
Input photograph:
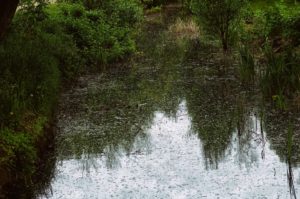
(280, 101)
(219, 17)
(246, 65)
(86, 26)
(282, 74)
(155, 9)
(186, 4)
(279, 20)
(32, 58)
(274, 29)
(48, 43)
(16, 150)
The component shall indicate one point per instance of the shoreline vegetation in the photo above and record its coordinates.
(45, 47)
(48, 46)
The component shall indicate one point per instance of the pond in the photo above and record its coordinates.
(169, 125)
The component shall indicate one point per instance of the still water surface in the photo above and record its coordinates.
(170, 126)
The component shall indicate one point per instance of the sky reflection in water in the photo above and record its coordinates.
(170, 127)
(170, 164)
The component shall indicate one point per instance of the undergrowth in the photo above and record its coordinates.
(45, 46)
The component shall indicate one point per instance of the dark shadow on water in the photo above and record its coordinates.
(290, 178)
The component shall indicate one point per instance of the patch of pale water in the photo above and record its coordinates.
(171, 163)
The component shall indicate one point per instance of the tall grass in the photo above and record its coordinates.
(282, 73)
(246, 65)
(274, 32)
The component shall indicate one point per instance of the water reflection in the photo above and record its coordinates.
(109, 118)
(171, 127)
(278, 123)
(171, 164)
(290, 178)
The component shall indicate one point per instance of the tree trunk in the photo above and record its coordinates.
(7, 11)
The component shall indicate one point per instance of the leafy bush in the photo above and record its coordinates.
(32, 60)
(100, 37)
(48, 43)
(275, 30)
(219, 18)
(278, 21)
(45, 43)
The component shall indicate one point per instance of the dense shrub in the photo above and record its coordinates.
(225, 23)
(278, 22)
(275, 31)
(101, 35)
(45, 45)
(281, 38)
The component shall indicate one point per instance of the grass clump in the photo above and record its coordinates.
(185, 28)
